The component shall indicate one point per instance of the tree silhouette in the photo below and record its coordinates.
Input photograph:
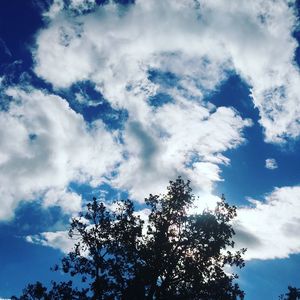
(59, 291)
(172, 255)
(293, 294)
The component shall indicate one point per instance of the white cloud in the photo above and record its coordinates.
(270, 228)
(45, 145)
(180, 138)
(57, 240)
(56, 7)
(82, 5)
(271, 164)
(187, 136)
(139, 41)
(115, 49)
(68, 201)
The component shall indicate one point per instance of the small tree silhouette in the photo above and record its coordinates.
(293, 294)
(173, 255)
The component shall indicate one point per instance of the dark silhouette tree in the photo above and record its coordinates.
(293, 294)
(173, 255)
(33, 291)
(59, 291)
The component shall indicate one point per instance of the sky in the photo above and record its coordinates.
(113, 99)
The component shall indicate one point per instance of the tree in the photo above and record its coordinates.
(59, 291)
(172, 255)
(33, 291)
(293, 294)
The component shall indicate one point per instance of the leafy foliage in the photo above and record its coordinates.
(171, 255)
(59, 291)
(293, 294)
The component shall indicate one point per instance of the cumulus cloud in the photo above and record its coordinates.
(198, 40)
(45, 145)
(69, 201)
(271, 164)
(148, 37)
(54, 146)
(178, 139)
(57, 240)
(270, 228)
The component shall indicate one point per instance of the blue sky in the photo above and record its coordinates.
(114, 98)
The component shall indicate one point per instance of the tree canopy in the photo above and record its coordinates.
(172, 254)
(292, 294)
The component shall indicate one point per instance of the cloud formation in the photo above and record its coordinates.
(254, 39)
(182, 138)
(45, 145)
(57, 240)
(176, 51)
(154, 146)
(271, 164)
(270, 228)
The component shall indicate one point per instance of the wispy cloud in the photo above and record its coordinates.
(4, 48)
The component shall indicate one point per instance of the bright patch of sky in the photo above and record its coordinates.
(115, 98)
